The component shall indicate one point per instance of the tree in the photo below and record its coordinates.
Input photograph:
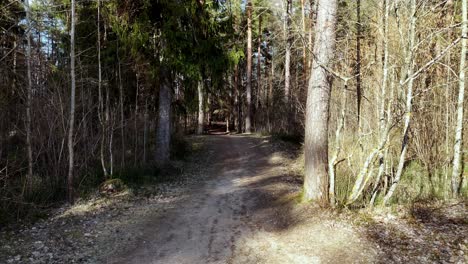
(248, 116)
(457, 148)
(318, 105)
(201, 108)
(287, 56)
(72, 105)
(28, 93)
(164, 121)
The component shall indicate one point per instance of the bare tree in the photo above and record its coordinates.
(287, 56)
(409, 63)
(100, 97)
(28, 93)
(457, 148)
(318, 105)
(72, 104)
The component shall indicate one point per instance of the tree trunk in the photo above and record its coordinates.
(72, 106)
(457, 149)
(238, 100)
(201, 109)
(409, 61)
(164, 122)
(287, 56)
(304, 47)
(259, 61)
(318, 105)
(28, 95)
(100, 97)
(121, 108)
(357, 70)
(248, 116)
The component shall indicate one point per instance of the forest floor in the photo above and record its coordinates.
(237, 201)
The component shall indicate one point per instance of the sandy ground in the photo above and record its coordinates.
(242, 214)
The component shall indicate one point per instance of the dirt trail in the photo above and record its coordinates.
(241, 214)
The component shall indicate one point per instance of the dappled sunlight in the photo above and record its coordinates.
(316, 240)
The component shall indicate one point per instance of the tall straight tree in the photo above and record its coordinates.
(304, 47)
(457, 152)
(28, 93)
(318, 106)
(287, 56)
(164, 120)
(201, 109)
(357, 70)
(72, 105)
(248, 116)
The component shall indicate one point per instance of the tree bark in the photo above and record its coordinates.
(28, 95)
(287, 56)
(304, 47)
(457, 148)
(248, 116)
(72, 106)
(100, 97)
(164, 122)
(318, 105)
(121, 108)
(357, 70)
(259, 61)
(409, 61)
(201, 109)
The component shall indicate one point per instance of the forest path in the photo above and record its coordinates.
(242, 213)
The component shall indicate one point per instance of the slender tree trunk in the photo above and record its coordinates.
(28, 94)
(287, 56)
(270, 95)
(304, 48)
(357, 70)
(259, 61)
(409, 103)
(457, 148)
(334, 158)
(145, 131)
(318, 105)
(312, 17)
(383, 92)
(248, 116)
(100, 97)
(238, 101)
(135, 124)
(164, 122)
(72, 105)
(121, 108)
(201, 109)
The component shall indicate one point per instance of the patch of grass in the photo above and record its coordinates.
(417, 185)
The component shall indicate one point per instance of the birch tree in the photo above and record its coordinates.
(201, 110)
(287, 56)
(457, 148)
(248, 115)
